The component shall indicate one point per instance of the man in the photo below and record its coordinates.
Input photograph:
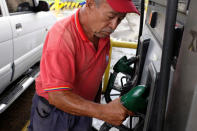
(75, 55)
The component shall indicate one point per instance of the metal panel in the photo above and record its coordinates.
(191, 124)
(182, 95)
(182, 5)
(151, 82)
(153, 54)
(158, 30)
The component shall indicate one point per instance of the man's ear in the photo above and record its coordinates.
(90, 4)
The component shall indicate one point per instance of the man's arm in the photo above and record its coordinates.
(113, 113)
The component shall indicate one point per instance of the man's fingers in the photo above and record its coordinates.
(130, 113)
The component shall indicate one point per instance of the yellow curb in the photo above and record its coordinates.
(26, 125)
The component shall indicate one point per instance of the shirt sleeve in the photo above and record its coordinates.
(57, 69)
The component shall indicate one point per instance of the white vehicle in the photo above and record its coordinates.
(23, 27)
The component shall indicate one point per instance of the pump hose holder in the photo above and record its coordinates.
(122, 66)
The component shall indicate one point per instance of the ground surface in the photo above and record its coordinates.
(17, 115)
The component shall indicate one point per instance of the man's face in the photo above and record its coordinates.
(106, 19)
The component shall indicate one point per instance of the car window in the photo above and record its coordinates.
(15, 6)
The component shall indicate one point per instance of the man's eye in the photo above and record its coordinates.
(110, 17)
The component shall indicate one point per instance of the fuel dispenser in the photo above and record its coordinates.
(164, 69)
(134, 98)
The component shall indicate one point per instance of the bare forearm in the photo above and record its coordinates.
(69, 102)
(74, 104)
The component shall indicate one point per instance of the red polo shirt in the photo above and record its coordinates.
(70, 61)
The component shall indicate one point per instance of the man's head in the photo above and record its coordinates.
(105, 16)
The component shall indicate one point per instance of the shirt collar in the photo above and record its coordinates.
(78, 26)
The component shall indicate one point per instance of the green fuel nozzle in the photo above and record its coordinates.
(136, 99)
(123, 65)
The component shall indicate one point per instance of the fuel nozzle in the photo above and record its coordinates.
(132, 60)
(136, 99)
(123, 65)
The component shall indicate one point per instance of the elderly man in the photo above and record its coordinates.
(75, 55)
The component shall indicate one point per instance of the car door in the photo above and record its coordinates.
(6, 49)
(28, 34)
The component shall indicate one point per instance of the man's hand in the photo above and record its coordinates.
(114, 113)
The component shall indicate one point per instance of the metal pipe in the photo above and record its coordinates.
(115, 44)
(171, 13)
(141, 25)
(106, 75)
(27, 82)
(122, 44)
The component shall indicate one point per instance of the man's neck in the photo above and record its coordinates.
(85, 22)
